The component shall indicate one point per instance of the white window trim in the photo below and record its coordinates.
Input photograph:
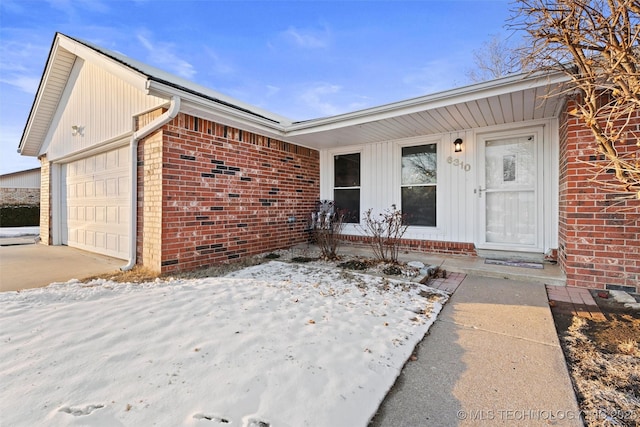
(414, 231)
(352, 227)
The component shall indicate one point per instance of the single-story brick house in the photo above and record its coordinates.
(20, 198)
(156, 170)
(21, 188)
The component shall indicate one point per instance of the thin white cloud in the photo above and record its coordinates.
(216, 64)
(272, 90)
(21, 65)
(24, 83)
(71, 7)
(307, 38)
(162, 55)
(317, 96)
(326, 99)
(435, 76)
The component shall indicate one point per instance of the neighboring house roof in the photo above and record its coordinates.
(510, 99)
(29, 178)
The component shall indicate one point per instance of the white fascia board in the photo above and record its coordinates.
(441, 99)
(208, 107)
(27, 146)
(122, 71)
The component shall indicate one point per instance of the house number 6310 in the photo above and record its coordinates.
(457, 162)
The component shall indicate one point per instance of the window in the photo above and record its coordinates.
(346, 186)
(418, 192)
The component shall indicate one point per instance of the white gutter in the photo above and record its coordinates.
(167, 116)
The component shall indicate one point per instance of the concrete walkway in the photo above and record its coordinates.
(491, 358)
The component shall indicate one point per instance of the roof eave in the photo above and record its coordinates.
(22, 145)
(441, 99)
(239, 115)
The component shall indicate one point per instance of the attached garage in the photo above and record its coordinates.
(94, 203)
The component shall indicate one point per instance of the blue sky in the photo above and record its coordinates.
(300, 59)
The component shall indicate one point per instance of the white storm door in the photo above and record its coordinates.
(510, 192)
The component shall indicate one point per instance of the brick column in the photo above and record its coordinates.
(599, 232)
(45, 201)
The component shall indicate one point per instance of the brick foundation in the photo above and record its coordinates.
(599, 234)
(427, 246)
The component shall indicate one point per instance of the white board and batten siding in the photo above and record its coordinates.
(101, 104)
(458, 178)
(91, 167)
(381, 183)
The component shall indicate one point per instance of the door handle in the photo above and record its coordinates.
(479, 191)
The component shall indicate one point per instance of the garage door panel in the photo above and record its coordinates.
(112, 187)
(112, 160)
(88, 189)
(112, 242)
(90, 237)
(90, 213)
(97, 203)
(100, 188)
(100, 214)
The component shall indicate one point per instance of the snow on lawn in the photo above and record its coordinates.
(19, 231)
(276, 344)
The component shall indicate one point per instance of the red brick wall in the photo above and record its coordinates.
(599, 235)
(229, 194)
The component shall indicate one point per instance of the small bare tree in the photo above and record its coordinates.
(496, 58)
(386, 231)
(596, 43)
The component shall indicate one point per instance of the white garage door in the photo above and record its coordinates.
(95, 203)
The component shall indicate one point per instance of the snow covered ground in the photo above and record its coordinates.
(19, 231)
(276, 345)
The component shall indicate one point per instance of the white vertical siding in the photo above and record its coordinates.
(100, 103)
(458, 175)
(24, 179)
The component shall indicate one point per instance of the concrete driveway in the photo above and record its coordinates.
(26, 266)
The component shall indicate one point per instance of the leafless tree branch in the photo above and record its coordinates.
(600, 39)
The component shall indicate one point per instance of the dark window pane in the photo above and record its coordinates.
(419, 164)
(348, 204)
(347, 170)
(419, 205)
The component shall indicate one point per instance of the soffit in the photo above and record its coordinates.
(50, 91)
(506, 101)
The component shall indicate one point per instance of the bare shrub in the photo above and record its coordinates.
(327, 225)
(386, 230)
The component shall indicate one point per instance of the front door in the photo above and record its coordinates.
(509, 192)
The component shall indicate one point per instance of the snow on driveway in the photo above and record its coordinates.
(272, 345)
(18, 231)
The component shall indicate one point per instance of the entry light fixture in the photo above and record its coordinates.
(457, 144)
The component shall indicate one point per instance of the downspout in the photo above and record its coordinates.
(167, 116)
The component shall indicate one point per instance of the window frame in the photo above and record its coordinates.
(343, 152)
(414, 142)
